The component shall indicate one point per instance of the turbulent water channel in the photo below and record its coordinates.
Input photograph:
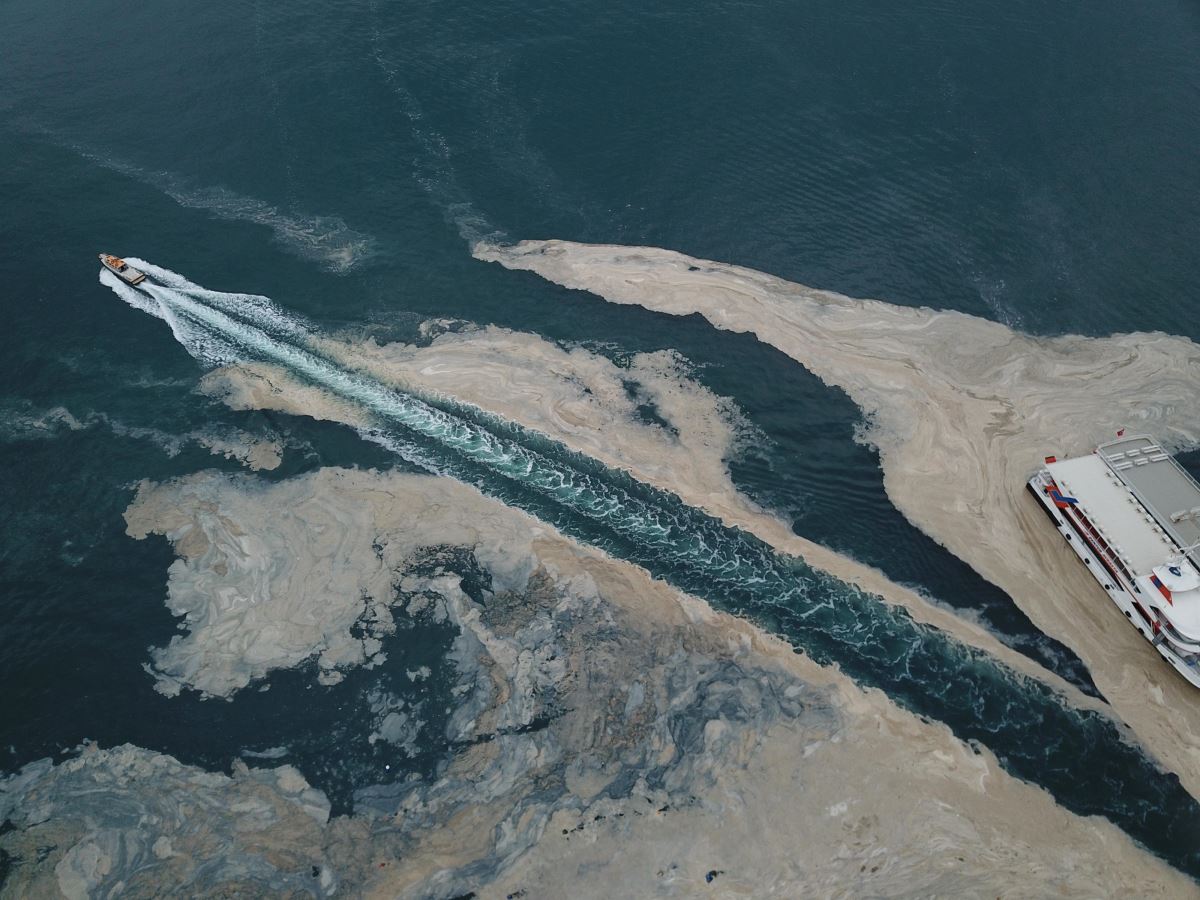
(1034, 732)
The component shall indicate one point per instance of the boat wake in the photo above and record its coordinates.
(433, 169)
(1035, 733)
(326, 240)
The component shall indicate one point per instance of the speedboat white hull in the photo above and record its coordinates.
(122, 269)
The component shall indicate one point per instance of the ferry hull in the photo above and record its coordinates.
(1125, 599)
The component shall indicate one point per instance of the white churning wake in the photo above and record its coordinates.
(220, 329)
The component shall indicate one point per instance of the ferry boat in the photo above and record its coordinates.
(1131, 513)
(122, 269)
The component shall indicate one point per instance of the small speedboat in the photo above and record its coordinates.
(122, 269)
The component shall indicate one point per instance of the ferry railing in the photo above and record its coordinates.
(1103, 549)
(1099, 544)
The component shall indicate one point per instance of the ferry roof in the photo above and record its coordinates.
(1163, 486)
(1108, 504)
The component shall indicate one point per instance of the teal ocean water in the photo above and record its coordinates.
(1028, 163)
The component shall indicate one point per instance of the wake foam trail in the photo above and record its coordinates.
(135, 298)
(433, 169)
(206, 347)
(1034, 732)
(326, 240)
(265, 314)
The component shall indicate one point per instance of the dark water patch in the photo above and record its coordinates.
(6, 859)
(312, 444)
(645, 409)
(82, 604)
(76, 641)
(329, 732)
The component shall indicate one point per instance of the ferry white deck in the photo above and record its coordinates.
(1160, 483)
(1135, 537)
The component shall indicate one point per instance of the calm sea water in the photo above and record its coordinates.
(1032, 163)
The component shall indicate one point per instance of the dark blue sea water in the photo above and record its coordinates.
(1031, 163)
